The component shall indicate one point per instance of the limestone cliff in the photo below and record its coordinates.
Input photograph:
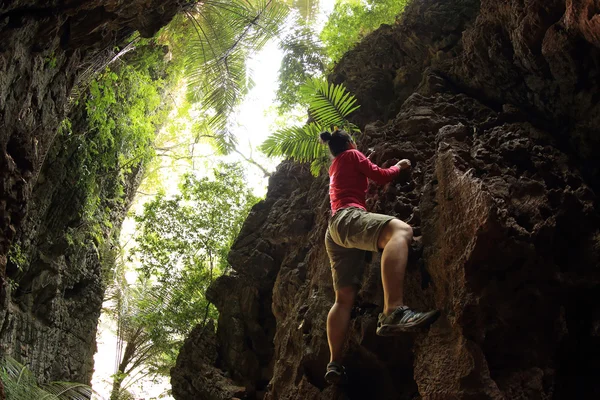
(495, 104)
(47, 49)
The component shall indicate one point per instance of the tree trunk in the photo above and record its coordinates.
(120, 375)
(116, 389)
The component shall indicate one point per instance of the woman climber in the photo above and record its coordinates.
(352, 231)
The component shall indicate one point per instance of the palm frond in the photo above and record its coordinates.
(329, 104)
(300, 143)
(272, 15)
(215, 39)
(213, 130)
(319, 164)
(66, 391)
(20, 384)
(225, 33)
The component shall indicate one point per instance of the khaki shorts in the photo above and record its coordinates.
(351, 233)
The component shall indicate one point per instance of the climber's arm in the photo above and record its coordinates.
(377, 174)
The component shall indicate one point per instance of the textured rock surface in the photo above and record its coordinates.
(541, 57)
(53, 313)
(494, 104)
(200, 377)
(46, 49)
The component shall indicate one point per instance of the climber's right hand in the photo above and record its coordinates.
(403, 164)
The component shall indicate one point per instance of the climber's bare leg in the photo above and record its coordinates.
(395, 240)
(338, 321)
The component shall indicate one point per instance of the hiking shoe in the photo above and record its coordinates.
(336, 374)
(403, 319)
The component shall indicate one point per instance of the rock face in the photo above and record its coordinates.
(54, 303)
(200, 377)
(48, 49)
(494, 103)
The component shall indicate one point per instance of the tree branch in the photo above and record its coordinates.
(251, 161)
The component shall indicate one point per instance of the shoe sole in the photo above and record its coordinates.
(395, 330)
(334, 378)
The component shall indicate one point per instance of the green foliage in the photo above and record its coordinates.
(190, 228)
(223, 141)
(216, 38)
(123, 110)
(330, 104)
(182, 246)
(20, 384)
(350, 21)
(16, 256)
(300, 143)
(50, 60)
(303, 58)
(307, 10)
(329, 107)
(65, 127)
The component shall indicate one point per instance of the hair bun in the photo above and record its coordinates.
(325, 136)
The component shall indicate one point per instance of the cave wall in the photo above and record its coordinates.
(48, 51)
(494, 103)
(57, 279)
(542, 58)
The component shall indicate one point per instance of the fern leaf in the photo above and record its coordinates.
(20, 384)
(329, 104)
(66, 391)
(318, 165)
(299, 143)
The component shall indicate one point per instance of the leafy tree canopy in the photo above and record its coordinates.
(182, 246)
(215, 39)
(201, 222)
(350, 21)
(303, 58)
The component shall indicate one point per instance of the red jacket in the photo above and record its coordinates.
(348, 179)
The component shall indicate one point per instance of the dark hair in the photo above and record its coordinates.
(337, 141)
